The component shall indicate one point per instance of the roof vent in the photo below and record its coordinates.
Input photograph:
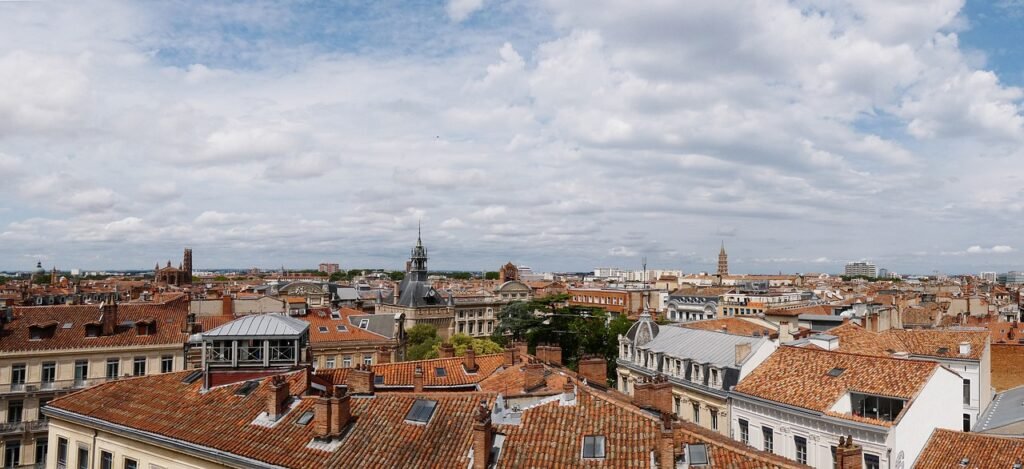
(964, 462)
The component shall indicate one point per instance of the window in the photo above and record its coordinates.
(967, 392)
(62, 453)
(714, 377)
(440, 372)
(801, 449)
(714, 419)
(697, 455)
(593, 446)
(12, 453)
(967, 422)
(677, 404)
(83, 458)
(18, 377)
(346, 362)
(329, 363)
(871, 461)
(81, 371)
(139, 366)
(305, 418)
(130, 463)
(14, 411)
(364, 323)
(113, 367)
(421, 411)
(342, 328)
(835, 461)
(769, 439)
(744, 432)
(106, 460)
(696, 412)
(49, 374)
(166, 364)
(41, 450)
(322, 329)
(367, 359)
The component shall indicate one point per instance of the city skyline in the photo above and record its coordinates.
(548, 133)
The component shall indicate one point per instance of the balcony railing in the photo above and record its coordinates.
(47, 386)
(9, 428)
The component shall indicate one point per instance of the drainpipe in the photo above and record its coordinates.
(92, 454)
(888, 457)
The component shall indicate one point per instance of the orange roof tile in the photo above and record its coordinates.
(324, 329)
(856, 339)
(731, 325)
(946, 449)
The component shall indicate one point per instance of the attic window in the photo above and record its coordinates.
(247, 388)
(378, 379)
(697, 454)
(421, 412)
(440, 372)
(593, 447)
(835, 372)
(322, 329)
(364, 323)
(342, 328)
(942, 350)
(305, 418)
(335, 315)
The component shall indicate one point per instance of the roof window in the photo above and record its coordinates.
(322, 329)
(342, 328)
(593, 447)
(835, 372)
(697, 455)
(247, 388)
(440, 372)
(364, 323)
(378, 379)
(421, 412)
(305, 418)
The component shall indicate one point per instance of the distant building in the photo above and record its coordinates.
(179, 276)
(1012, 278)
(508, 273)
(862, 268)
(988, 276)
(723, 261)
(883, 273)
(328, 268)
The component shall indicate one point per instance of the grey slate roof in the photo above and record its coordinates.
(259, 325)
(380, 324)
(1006, 408)
(715, 348)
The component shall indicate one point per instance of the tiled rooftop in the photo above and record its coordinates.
(320, 320)
(856, 339)
(737, 326)
(947, 449)
(401, 373)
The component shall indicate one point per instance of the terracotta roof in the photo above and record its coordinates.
(820, 310)
(856, 339)
(947, 449)
(737, 326)
(170, 321)
(800, 377)
(510, 381)
(352, 332)
(401, 373)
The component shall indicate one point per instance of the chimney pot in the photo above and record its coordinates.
(417, 379)
(469, 360)
(533, 376)
(511, 356)
(483, 434)
(277, 397)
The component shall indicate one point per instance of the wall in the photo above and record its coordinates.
(148, 456)
(939, 405)
(757, 357)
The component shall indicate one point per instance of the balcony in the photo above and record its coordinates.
(50, 386)
(17, 428)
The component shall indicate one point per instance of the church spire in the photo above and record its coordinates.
(723, 261)
(418, 259)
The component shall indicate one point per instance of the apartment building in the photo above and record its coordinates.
(49, 351)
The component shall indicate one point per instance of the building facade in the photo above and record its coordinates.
(178, 276)
(864, 269)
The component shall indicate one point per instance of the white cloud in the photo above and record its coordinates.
(459, 10)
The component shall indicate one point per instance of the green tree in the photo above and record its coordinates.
(463, 342)
(422, 343)
(491, 276)
(339, 275)
(396, 276)
(353, 273)
(220, 278)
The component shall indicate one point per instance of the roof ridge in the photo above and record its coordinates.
(838, 352)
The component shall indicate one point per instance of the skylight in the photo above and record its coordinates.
(942, 350)
(364, 323)
(421, 412)
(305, 418)
(440, 372)
(322, 329)
(698, 454)
(335, 315)
(378, 379)
(192, 377)
(342, 328)
(835, 372)
(247, 388)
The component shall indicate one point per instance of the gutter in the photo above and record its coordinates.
(222, 457)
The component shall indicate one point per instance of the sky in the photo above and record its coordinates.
(558, 134)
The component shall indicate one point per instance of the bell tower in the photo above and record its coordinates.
(723, 261)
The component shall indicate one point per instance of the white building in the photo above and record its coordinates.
(801, 400)
(866, 269)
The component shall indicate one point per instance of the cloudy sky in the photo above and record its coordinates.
(558, 134)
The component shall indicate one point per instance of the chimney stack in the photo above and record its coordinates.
(323, 425)
(666, 442)
(642, 392)
(446, 350)
(848, 454)
(533, 376)
(383, 355)
(483, 435)
(108, 313)
(522, 347)
(511, 356)
(277, 397)
(417, 379)
(227, 305)
(341, 412)
(660, 396)
(594, 369)
(742, 350)
(469, 360)
(360, 380)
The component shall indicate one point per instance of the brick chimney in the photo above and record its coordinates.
(483, 435)
(554, 355)
(511, 356)
(341, 412)
(417, 379)
(469, 360)
(108, 312)
(594, 369)
(523, 348)
(666, 442)
(742, 350)
(383, 355)
(227, 305)
(446, 350)
(642, 392)
(660, 396)
(533, 376)
(848, 454)
(323, 425)
(360, 380)
(277, 397)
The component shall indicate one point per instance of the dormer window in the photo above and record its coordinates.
(593, 447)
(364, 323)
(714, 377)
(93, 330)
(42, 331)
(695, 372)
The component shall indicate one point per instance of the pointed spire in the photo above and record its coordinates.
(722, 251)
(419, 232)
